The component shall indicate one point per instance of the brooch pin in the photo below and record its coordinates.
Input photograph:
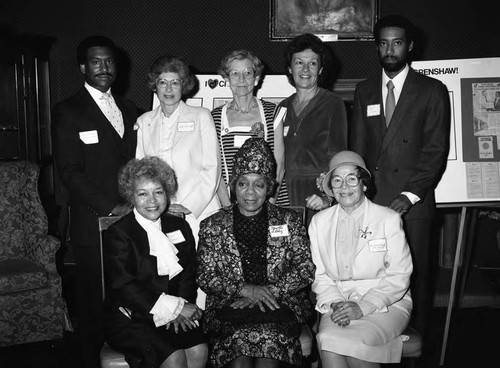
(365, 233)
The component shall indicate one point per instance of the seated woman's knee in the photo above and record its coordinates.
(176, 359)
(197, 355)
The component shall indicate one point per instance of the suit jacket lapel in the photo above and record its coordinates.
(373, 97)
(329, 239)
(140, 236)
(153, 130)
(228, 235)
(274, 247)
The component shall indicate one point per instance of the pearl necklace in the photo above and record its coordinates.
(234, 106)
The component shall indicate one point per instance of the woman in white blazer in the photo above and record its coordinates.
(184, 136)
(363, 268)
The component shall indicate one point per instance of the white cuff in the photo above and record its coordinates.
(412, 197)
(166, 309)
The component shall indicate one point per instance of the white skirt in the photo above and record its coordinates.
(374, 338)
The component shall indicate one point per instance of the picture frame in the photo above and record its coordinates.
(341, 20)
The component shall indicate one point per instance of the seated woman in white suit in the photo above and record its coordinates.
(363, 268)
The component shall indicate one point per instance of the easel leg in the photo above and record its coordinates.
(453, 283)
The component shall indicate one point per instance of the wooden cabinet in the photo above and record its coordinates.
(25, 103)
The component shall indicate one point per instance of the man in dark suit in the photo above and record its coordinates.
(93, 136)
(406, 153)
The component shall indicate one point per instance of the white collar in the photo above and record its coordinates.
(398, 80)
(95, 93)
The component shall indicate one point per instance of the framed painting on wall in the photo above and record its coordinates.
(330, 20)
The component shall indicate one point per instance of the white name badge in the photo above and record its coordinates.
(285, 130)
(89, 137)
(239, 140)
(377, 245)
(373, 110)
(176, 237)
(187, 126)
(278, 230)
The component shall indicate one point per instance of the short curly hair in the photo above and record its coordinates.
(308, 41)
(240, 55)
(172, 64)
(149, 168)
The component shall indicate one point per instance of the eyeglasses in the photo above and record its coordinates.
(164, 83)
(247, 74)
(351, 180)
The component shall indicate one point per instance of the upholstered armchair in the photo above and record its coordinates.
(31, 304)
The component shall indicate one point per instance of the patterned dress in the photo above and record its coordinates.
(233, 251)
(230, 136)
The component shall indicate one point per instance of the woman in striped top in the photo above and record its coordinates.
(245, 116)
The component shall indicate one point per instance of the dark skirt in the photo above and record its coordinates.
(147, 346)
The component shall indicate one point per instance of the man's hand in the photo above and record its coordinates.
(317, 203)
(401, 204)
(121, 209)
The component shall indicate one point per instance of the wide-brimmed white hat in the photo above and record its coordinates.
(342, 158)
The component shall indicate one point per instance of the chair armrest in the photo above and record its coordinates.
(42, 250)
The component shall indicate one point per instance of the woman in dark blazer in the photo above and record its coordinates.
(149, 256)
(315, 124)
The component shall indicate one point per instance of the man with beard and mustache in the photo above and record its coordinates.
(93, 136)
(406, 153)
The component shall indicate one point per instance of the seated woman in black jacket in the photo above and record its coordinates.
(149, 256)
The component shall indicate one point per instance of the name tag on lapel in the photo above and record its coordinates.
(186, 126)
(89, 137)
(377, 245)
(373, 110)
(176, 237)
(279, 230)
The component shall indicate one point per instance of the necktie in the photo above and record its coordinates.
(390, 103)
(113, 113)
